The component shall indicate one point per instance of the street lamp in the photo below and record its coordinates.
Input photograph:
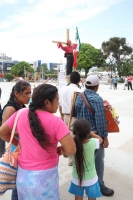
(25, 73)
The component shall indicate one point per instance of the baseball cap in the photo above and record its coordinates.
(93, 79)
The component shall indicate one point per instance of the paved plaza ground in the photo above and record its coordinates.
(119, 155)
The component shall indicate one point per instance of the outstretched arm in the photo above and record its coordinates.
(61, 46)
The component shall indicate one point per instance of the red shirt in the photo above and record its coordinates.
(68, 49)
(129, 79)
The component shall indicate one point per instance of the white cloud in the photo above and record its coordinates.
(30, 37)
(4, 2)
(5, 24)
(128, 29)
(105, 31)
(30, 1)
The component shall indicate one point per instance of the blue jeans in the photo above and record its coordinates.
(14, 194)
(99, 163)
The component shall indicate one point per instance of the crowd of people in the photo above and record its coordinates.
(113, 81)
(39, 131)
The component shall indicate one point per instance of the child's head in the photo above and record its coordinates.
(81, 128)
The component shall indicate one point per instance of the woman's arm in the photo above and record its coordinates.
(68, 145)
(8, 112)
(5, 134)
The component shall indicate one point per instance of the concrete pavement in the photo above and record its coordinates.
(119, 155)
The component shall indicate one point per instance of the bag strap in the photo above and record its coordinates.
(72, 108)
(15, 124)
(87, 102)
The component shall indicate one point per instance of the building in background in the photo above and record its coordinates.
(50, 65)
(5, 63)
(7, 66)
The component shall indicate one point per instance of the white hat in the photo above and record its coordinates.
(93, 79)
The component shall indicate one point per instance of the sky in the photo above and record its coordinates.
(27, 27)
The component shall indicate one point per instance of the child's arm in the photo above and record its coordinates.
(60, 151)
(92, 134)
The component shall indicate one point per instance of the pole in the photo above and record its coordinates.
(24, 73)
(42, 74)
(67, 34)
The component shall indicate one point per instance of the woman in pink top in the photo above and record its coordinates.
(129, 82)
(39, 131)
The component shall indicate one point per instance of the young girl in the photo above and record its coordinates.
(84, 175)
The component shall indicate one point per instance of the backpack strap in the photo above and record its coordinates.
(87, 102)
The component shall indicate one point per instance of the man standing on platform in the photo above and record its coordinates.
(65, 100)
(97, 120)
(68, 54)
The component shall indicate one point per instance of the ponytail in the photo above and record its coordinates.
(81, 129)
(37, 129)
(79, 158)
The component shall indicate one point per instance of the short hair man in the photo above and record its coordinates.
(98, 124)
(65, 99)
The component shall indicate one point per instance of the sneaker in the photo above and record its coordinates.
(107, 191)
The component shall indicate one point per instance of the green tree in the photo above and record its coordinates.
(127, 68)
(8, 77)
(18, 69)
(43, 68)
(89, 56)
(52, 71)
(116, 51)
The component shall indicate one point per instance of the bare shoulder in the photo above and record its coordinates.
(8, 112)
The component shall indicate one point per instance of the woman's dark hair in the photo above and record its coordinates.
(40, 94)
(19, 87)
(81, 129)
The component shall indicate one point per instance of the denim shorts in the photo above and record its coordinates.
(92, 191)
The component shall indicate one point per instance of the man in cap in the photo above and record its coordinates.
(68, 54)
(96, 117)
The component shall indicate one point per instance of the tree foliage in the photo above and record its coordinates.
(43, 68)
(8, 77)
(117, 51)
(127, 67)
(89, 56)
(18, 69)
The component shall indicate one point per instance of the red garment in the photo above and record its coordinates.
(67, 49)
(129, 79)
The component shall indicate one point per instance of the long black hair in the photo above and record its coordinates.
(81, 129)
(40, 94)
(19, 87)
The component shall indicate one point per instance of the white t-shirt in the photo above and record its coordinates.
(66, 96)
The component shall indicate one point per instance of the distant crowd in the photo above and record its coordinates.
(127, 82)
